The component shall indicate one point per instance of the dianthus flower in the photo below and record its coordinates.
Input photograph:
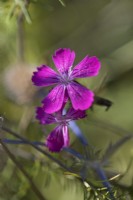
(66, 86)
(59, 137)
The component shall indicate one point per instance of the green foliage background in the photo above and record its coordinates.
(96, 27)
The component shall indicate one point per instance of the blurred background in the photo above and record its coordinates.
(30, 32)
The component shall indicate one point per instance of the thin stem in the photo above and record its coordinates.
(12, 157)
(11, 141)
(105, 181)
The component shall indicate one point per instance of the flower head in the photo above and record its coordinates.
(66, 86)
(59, 137)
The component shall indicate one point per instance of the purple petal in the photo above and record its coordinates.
(63, 59)
(58, 139)
(73, 114)
(89, 66)
(44, 117)
(54, 101)
(81, 97)
(45, 76)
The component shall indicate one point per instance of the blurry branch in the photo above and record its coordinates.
(22, 5)
(62, 3)
(18, 9)
(122, 175)
(36, 147)
(110, 127)
(90, 164)
(19, 166)
(114, 147)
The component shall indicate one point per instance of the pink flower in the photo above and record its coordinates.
(59, 137)
(66, 86)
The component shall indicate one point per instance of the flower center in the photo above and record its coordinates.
(65, 78)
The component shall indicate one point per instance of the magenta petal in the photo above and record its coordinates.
(80, 96)
(44, 117)
(58, 139)
(63, 59)
(54, 101)
(45, 76)
(89, 66)
(75, 114)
